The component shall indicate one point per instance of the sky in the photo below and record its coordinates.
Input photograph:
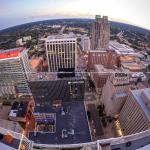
(15, 12)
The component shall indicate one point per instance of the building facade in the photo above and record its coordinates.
(61, 52)
(106, 58)
(135, 114)
(100, 33)
(85, 43)
(114, 93)
(15, 69)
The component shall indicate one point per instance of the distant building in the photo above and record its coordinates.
(128, 58)
(55, 26)
(85, 43)
(115, 93)
(61, 52)
(132, 63)
(19, 42)
(22, 41)
(121, 49)
(26, 38)
(106, 58)
(135, 114)
(100, 33)
(14, 69)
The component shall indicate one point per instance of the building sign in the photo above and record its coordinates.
(121, 75)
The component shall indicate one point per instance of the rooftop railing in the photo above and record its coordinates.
(24, 141)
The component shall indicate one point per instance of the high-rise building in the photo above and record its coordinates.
(14, 71)
(135, 114)
(61, 52)
(100, 33)
(85, 43)
(115, 92)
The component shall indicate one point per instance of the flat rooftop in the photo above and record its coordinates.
(61, 37)
(75, 119)
(102, 70)
(127, 58)
(10, 53)
(65, 90)
(133, 66)
(120, 48)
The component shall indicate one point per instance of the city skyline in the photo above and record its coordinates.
(73, 84)
(16, 12)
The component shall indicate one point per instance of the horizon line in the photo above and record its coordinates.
(63, 18)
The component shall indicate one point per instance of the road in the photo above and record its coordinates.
(62, 30)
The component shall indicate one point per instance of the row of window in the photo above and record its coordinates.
(58, 42)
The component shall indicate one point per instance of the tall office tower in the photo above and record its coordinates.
(135, 114)
(85, 43)
(100, 33)
(61, 52)
(114, 93)
(14, 69)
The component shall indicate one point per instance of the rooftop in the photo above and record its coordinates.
(61, 37)
(71, 126)
(102, 70)
(10, 53)
(120, 48)
(133, 66)
(65, 90)
(127, 59)
(65, 98)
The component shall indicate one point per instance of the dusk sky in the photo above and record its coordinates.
(14, 12)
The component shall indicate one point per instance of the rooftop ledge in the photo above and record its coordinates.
(111, 141)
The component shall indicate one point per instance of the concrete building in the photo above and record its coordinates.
(106, 58)
(100, 33)
(22, 41)
(135, 114)
(100, 76)
(128, 58)
(19, 42)
(14, 68)
(120, 49)
(27, 38)
(114, 93)
(132, 63)
(85, 43)
(61, 52)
